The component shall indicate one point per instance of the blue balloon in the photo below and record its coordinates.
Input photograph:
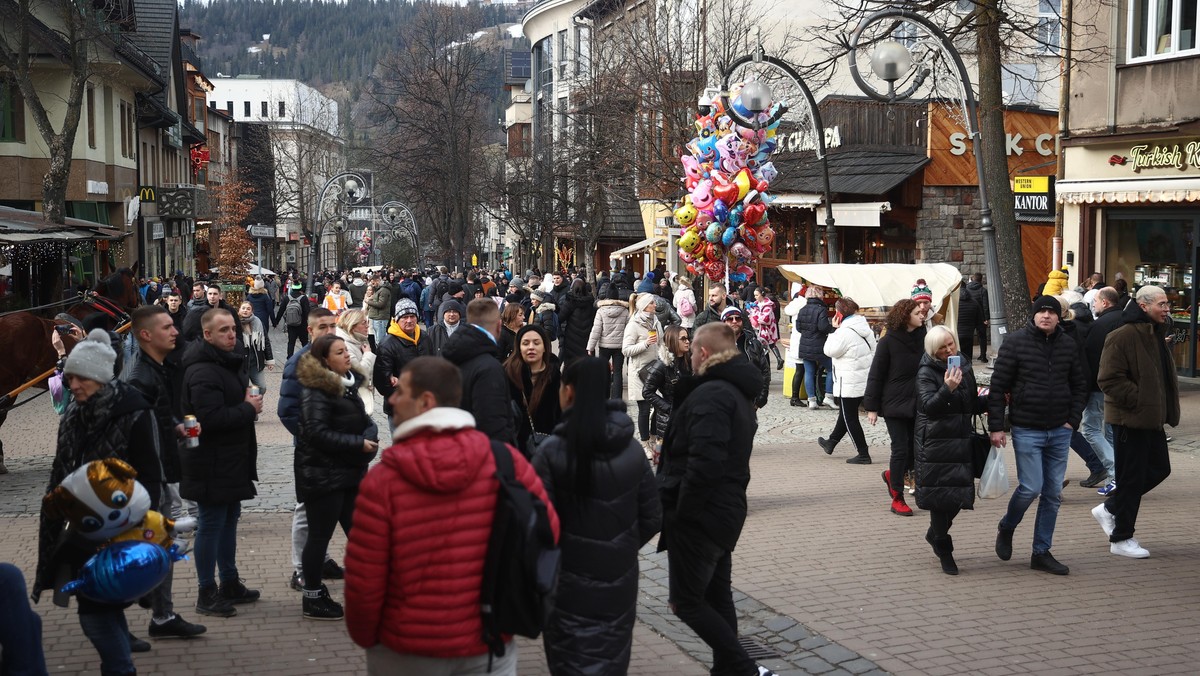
(720, 211)
(728, 237)
(123, 572)
(737, 277)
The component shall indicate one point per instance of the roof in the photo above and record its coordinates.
(852, 171)
(624, 217)
(18, 226)
(156, 34)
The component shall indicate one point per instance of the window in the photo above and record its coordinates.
(1049, 31)
(12, 112)
(580, 46)
(282, 109)
(125, 131)
(562, 53)
(229, 108)
(1161, 29)
(91, 116)
(246, 110)
(264, 109)
(198, 113)
(906, 34)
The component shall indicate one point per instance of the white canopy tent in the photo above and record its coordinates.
(883, 284)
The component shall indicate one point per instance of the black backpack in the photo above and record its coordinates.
(520, 572)
(293, 313)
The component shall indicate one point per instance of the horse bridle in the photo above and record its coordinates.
(108, 307)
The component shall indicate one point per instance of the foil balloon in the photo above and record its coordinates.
(702, 194)
(713, 233)
(689, 241)
(729, 236)
(720, 212)
(685, 215)
(740, 251)
(123, 572)
(724, 190)
(768, 172)
(704, 217)
(691, 168)
(715, 270)
(753, 213)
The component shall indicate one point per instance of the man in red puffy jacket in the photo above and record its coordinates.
(414, 560)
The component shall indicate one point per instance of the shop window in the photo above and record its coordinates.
(282, 109)
(246, 109)
(264, 109)
(1161, 29)
(91, 116)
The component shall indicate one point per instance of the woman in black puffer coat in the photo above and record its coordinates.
(946, 401)
(892, 390)
(658, 387)
(813, 324)
(336, 443)
(608, 507)
(576, 316)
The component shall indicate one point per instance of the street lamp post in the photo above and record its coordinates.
(756, 96)
(399, 218)
(351, 190)
(891, 62)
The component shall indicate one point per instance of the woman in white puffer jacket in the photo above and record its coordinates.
(852, 348)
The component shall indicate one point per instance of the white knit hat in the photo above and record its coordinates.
(644, 301)
(93, 358)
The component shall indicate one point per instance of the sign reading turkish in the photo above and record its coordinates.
(1179, 156)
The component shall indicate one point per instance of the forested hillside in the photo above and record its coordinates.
(320, 43)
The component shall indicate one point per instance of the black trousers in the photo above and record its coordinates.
(900, 430)
(616, 360)
(296, 333)
(1142, 464)
(940, 522)
(701, 592)
(847, 421)
(797, 379)
(325, 512)
(982, 332)
(966, 342)
(644, 419)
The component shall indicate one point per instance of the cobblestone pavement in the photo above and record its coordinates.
(827, 580)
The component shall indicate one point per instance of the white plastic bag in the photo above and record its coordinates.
(994, 481)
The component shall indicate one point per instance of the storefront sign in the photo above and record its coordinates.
(1030, 146)
(1014, 144)
(800, 141)
(157, 231)
(1178, 156)
(1033, 197)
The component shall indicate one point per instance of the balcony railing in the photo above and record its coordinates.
(184, 200)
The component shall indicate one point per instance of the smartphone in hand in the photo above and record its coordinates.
(954, 361)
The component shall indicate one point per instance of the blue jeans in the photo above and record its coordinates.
(1041, 464)
(810, 375)
(216, 542)
(1095, 431)
(109, 633)
(379, 329)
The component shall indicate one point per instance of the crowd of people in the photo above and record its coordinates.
(542, 368)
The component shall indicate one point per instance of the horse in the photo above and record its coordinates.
(26, 336)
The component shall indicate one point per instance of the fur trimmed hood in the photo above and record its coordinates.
(718, 358)
(312, 374)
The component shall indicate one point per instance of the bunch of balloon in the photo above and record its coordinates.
(364, 246)
(723, 224)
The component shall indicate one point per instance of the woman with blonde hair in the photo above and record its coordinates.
(639, 344)
(662, 375)
(685, 301)
(353, 327)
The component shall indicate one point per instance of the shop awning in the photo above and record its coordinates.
(18, 226)
(634, 249)
(1129, 191)
(854, 172)
(796, 200)
(883, 284)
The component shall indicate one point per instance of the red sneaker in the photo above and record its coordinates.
(887, 479)
(900, 507)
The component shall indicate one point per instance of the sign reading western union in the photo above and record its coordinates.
(1031, 184)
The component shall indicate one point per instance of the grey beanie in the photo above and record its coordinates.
(92, 358)
(405, 306)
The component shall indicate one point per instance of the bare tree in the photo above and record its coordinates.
(996, 35)
(431, 105)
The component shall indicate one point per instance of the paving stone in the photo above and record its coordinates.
(858, 666)
(814, 642)
(814, 665)
(835, 654)
(778, 624)
(796, 633)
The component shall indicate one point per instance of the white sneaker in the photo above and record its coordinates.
(763, 671)
(829, 403)
(1129, 548)
(1108, 523)
(813, 405)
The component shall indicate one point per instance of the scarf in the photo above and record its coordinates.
(395, 330)
(256, 338)
(87, 432)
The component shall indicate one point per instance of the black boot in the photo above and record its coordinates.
(210, 602)
(943, 548)
(1004, 543)
(860, 459)
(318, 605)
(797, 402)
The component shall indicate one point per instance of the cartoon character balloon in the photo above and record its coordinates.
(123, 572)
(723, 218)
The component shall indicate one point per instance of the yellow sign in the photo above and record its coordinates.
(1031, 184)
(474, 259)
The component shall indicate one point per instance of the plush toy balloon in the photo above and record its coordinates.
(123, 572)
(689, 241)
(685, 215)
(702, 194)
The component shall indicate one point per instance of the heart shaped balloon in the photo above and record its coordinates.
(753, 213)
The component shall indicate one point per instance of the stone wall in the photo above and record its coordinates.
(948, 228)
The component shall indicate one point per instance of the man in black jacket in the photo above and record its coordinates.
(405, 342)
(474, 348)
(1108, 319)
(749, 345)
(158, 380)
(1041, 369)
(718, 300)
(220, 472)
(703, 474)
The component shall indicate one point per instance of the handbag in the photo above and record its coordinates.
(535, 437)
(981, 444)
(994, 481)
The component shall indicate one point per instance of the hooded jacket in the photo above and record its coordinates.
(1044, 376)
(1108, 321)
(160, 385)
(414, 560)
(397, 350)
(942, 437)
(705, 463)
(222, 469)
(637, 351)
(596, 603)
(659, 388)
(577, 317)
(484, 385)
(545, 315)
(608, 326)
(333, 424)
(813, 324)
(1137, 374)
(379, 306)
(750, 346)
(667, 316)
(852, 348)
(892, 380)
